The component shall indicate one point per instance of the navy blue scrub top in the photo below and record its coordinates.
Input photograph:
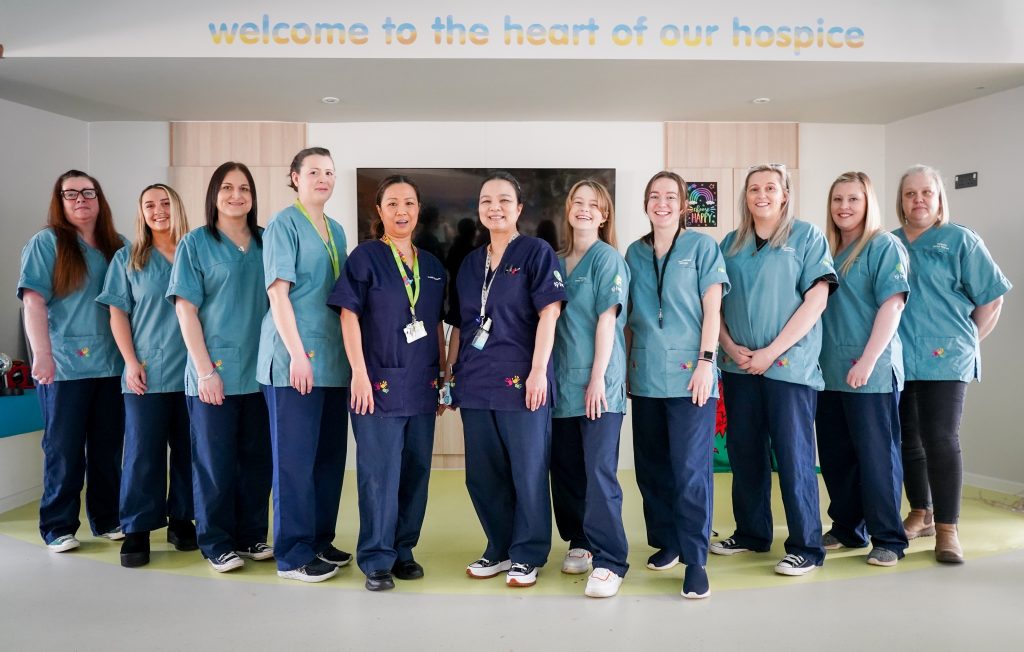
(527, 280)
(404, 375)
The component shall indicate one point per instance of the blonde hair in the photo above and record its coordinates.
(143, 245)
(872, 218)
(936, 179)
(606, 231)
(746, 228)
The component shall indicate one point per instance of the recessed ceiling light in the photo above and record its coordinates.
(330, 99)
(761, 100)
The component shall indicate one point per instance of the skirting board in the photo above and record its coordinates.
(21, 498)
(994, 484)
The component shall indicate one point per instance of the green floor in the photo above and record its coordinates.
(452, 538)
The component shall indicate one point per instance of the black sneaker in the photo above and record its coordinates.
(256, 552)
(727, 547)
(135, 550)
(315, 571)
(182, 535)
(795, 565)
(379, 581)
(407, 570)
(332, 555)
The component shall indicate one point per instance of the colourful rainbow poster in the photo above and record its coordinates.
(703, 204)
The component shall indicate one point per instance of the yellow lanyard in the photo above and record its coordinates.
(332, 249)
(414, 296)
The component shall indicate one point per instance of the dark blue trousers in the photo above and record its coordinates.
(766, 416)
(585, 491)
(393, 456)
(83, 436)
(154, 422)
(309, 435)
(231, 472)
(859, 451)
(507, 459)
(673, 452)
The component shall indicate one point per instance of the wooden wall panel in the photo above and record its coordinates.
(730, 144)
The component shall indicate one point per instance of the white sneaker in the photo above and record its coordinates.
(577, 561)
(484, 568)
(602, 583)
(521, 575)
(63, 544)
(114, 535)
(227, 562)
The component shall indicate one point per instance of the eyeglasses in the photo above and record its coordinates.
(72, 195)
(767, 166)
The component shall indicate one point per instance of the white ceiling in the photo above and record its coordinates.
(378, 90)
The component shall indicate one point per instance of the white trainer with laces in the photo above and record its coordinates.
(521, 575)
(63, 544)
(229, 561)
(484, 568)
(794, 565)
(577, 561)
(602, 583)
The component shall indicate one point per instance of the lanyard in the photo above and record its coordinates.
(660, 275)
(332, 249)
(414, 295)
(486, 290)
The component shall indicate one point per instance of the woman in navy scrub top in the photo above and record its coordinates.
(156, 415)
(677, 280)
(509, 295)
(220, 299)
(304, 374)
(590, 366)
(957, 295)
(391, 295)
(857, 420)
(781, 273)
(75, 361)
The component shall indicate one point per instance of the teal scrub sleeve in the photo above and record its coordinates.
(890, 270)
(982, 279)
(38, 259)
(186, 275)
(711, 267)
(817, 261)
(280, 245)
(116, 289)
(611, 280)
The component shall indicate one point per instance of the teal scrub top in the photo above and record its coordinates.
(599, 281)
(951, 273)
(294, 252)
(879, 272)
(80, 337)
(226, 284)
(155, 332)
(662, 360)
(768, 286)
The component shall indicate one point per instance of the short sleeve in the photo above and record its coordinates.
(890, 270)
(186, 274)
(353, 284)
(982, 279)
(117, 290)
(711, 267)
(818, 263)
(611, 281)
(280, 245)
(546, 284)
(38, 259)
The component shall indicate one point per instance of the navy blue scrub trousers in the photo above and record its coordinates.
(673, 453)
(309, 435)
(231, 472)
(767, 416)
(507, 460)
(585, 491)
(393, 456)
(859, 451)
(154, 422)
(83, 436)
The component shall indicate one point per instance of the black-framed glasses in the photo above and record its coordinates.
(72, 195)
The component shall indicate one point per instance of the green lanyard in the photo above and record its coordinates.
(414, 296)
(332, 249)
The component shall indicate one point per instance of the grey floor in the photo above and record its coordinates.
(58, 602)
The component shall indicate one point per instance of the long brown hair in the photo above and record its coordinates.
(606, 231)
(143, 245)
(213, 189)
(70, 270)
(684, 200)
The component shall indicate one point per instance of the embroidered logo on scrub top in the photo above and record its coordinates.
(310, 354)
(686, 366)
(381, 386)
(789, 250)
(901, 273)
(782, 362)
(433, 383)
(218, 365)
(939, 353)
(617, 284)
(941, 247)
(558, 280)
(83, 352)
(144, 364)
(721, 270)
(511, 271)
(514, 381)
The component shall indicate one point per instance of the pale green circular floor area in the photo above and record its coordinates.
(452, 538)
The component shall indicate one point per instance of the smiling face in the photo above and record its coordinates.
(234, 197)
(586, 215)
(315, 179)
(499, 210)
(80, 212)
(920, 197)
(848, 208)
(156, 210)
(766, 195)
(399, 210)
(664, 203)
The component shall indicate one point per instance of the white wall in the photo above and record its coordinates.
(126, 157)
(828, 150)
(635, 150)
(981, 136)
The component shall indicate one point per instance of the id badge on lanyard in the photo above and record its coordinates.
(414, 330)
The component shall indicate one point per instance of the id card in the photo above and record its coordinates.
(414, 331)
(482, 333)
(444, 396)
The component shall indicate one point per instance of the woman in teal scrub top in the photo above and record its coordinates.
(957, 292)
(781, 273)
(74, 360)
